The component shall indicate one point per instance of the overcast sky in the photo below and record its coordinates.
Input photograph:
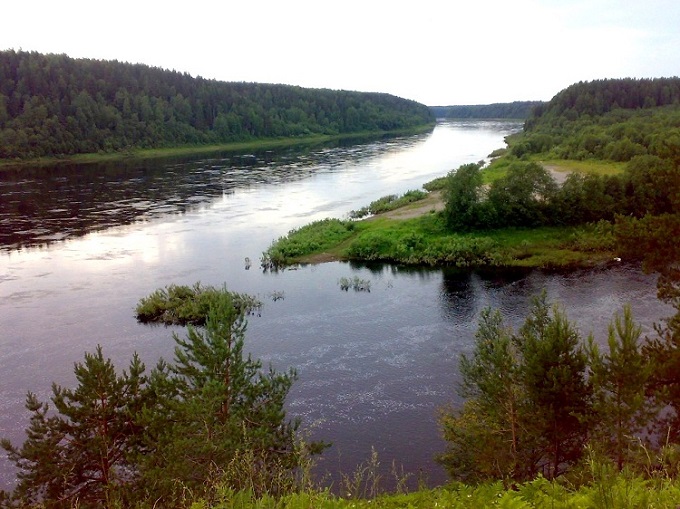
(436, 52)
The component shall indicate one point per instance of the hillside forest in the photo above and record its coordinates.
(513, 110)
(54, 105)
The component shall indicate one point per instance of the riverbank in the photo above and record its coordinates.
(198, 150)
(416, 234)
(425, 241)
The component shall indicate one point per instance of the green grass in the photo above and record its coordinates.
(388, 203)
(182, 305)
(614, 491)
(426, 241)
(587, 166)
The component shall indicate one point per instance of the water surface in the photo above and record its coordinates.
(81, 247)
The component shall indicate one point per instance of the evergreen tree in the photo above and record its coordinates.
(216, 405)
(552, 371)
(83, 454)
(620, 377)
(484, 440)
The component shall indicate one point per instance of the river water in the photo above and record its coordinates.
(79, 246)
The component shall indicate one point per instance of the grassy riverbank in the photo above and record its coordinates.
(425, 240)
(198, 150)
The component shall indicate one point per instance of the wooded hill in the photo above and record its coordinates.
(52, 105)
(517, 109)
(607, 119)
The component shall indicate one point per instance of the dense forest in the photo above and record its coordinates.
(52, 105)
(608, 119)
(517, 109)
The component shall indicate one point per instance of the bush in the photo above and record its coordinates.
(182, 305)
(308, 239)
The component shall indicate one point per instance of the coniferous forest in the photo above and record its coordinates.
(515, 109)
(54, 105)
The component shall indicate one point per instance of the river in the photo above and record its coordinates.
(80, 245)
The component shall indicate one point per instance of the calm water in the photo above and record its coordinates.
(78, 250)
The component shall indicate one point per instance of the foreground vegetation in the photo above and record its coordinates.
(53, 105)
(609, 491)
(550, 420)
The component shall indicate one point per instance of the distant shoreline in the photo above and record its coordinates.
(191, 150)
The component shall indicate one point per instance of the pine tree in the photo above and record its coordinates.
(552, 372)
(217, 406)
(486, 439)
(82, 454)
(620, 379)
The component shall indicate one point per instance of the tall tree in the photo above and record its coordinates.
(523, 197)
(219, 405)
(484, 439)
(464, 208)
(82, 455)
(620, 379)
(552, 371)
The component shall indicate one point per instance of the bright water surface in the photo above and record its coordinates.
(79, 246)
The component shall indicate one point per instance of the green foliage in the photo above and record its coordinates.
(394, 245)
(608, 491)
(484, 438)
(523, 197)
(463, 194)
(593, 237)
(85, 454)
(437, 184)
(182, 305)
(620, 379)
(514, 110)
(217, 405)
(53, 105)
(552, 372)
(311, 238)
(212, 417)
(388, 203)
(527, 400)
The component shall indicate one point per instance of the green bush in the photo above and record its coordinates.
(308, 239)
(181, 304)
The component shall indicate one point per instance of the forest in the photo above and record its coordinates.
(513, 110)
(551, 418)
(54, 105)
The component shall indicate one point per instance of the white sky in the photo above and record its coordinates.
(436, 52)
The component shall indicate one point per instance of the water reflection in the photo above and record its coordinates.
(43, 205)
(374, 367)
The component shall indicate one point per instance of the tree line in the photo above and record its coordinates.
(528, 195)
(544, 400)
(53, 105)
(513, 110)
(608, 119)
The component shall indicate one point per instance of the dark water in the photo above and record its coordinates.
(80, 248)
